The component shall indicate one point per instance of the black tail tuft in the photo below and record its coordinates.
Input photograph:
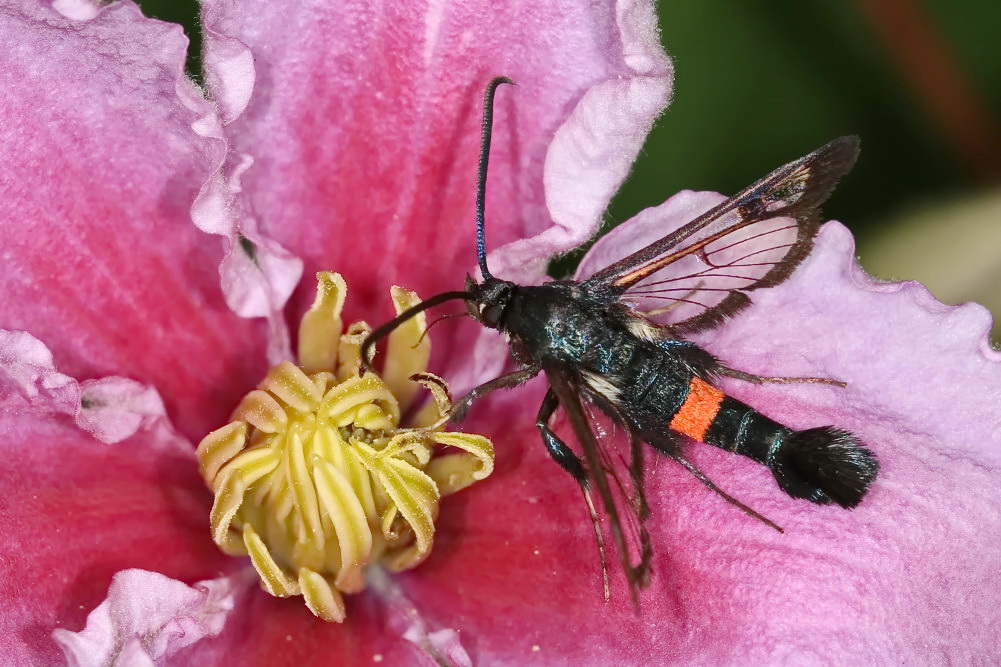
(824, 465)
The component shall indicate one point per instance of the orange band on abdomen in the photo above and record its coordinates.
(698, 411)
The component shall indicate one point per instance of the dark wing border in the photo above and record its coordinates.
(795, 190)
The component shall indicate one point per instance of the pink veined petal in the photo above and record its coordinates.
(258, 275)
(906, 576)
(79, 510)
(101, 260)
(594, 148)
(364, 127)
(148, 618)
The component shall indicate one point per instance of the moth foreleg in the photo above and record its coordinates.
(558, 449)
(459, 409)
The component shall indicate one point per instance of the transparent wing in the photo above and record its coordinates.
(699, 274)
(625, 518)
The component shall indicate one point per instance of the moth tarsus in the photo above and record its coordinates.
(597, 348)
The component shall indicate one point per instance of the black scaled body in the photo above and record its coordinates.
(661, 387)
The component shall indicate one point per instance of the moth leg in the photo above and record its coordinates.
(707, 366)
(558, 449)
(570, 462)
(600, 541)
(514, 379)
(699, 475)
(761, 379)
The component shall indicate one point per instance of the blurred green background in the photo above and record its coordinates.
(761, 82)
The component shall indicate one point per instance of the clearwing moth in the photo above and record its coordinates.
(603, 346)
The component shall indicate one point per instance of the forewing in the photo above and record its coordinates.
(697, 275)
(565, 383)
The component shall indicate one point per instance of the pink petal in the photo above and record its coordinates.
(364, 127)
(383, 626)
(433, 647)
(269, 631)
(257, 274)
(79, 10)
(148, 617)
(77, 511)
(101, 261)
(908, 576)
(28, 375)
(112, 408)
(646, 227)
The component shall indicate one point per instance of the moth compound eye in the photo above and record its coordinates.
(491, 315)
(492, 298)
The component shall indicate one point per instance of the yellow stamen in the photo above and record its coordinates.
(315, 479)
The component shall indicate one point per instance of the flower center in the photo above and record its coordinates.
(315, 479)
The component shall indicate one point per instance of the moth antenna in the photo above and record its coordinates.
(436, 320)
(481, 175)
(390, 326)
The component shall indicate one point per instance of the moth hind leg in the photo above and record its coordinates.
(669, 444)
(701, 476)
(764, 379)
(570, 462)
(558, 449)
(822, 465)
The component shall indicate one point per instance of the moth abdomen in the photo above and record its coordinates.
(822, 465)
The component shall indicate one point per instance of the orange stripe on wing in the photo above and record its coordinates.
(698, 411)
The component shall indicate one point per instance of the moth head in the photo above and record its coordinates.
(488, 300)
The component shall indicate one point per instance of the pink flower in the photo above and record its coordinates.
(344, 139)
